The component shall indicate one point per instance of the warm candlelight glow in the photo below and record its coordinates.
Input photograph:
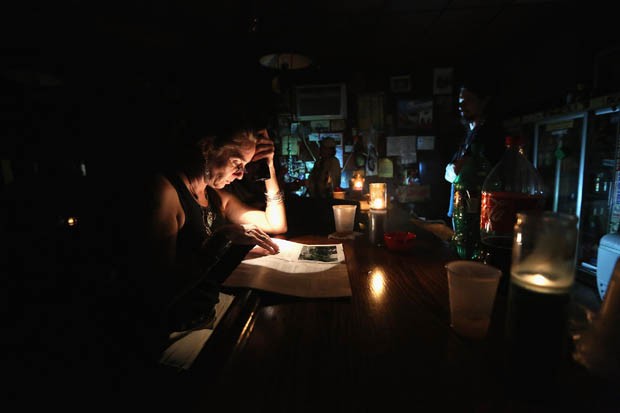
(378, 195)
(377, 204)
(71, 221)
(357, 181)
(539, 279)
(377, 282)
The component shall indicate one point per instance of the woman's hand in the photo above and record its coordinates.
(264, 147)
(249, 234)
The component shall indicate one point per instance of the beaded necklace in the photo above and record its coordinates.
(207, 214)
(207, 219)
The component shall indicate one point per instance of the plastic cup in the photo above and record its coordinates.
(472, 286)
(344, 217)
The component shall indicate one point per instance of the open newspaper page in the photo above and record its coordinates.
(298, 269)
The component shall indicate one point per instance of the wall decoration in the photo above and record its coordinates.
(414, 114)
(402, 146)
(319, 125)
(400, 84)
(443, 78)
(371, 160)
(426, 143)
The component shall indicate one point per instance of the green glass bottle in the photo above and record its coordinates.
(466, 213)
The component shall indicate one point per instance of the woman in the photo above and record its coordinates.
(194, 225)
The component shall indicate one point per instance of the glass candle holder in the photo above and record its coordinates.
(357, 182)
(378, 196)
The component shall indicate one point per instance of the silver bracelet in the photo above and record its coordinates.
(276, 197)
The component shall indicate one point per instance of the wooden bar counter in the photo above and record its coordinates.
(388, 347)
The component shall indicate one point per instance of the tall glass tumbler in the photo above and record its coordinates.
(542, 275)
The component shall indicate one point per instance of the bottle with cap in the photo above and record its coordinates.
(466, 213)
(513, 185)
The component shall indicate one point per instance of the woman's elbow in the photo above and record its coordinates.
(280, 229)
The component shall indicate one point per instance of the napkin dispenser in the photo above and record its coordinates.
(608, 253)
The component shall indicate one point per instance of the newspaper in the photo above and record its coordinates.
(298, 269)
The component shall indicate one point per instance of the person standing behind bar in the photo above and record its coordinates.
(192, 227)
(478, 113)
(325, 175)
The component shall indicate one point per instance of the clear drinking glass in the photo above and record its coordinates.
(541, 281)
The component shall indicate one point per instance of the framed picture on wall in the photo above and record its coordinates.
(443, 78)
(414, 114)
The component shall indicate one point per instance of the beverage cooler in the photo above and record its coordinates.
(577, 155)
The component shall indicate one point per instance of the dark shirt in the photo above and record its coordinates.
(196, 303)
(200, 221)
(491, 135)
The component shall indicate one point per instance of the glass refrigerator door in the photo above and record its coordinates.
(598, 205)
(559, 145)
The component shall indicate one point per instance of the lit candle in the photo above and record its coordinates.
(357, 182)
(378, 195)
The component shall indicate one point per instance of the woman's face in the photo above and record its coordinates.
(233, 168)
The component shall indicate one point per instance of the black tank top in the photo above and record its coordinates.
(200, 221)
(197, 306)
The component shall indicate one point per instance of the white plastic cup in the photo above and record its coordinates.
(344, 217)
(472, 287)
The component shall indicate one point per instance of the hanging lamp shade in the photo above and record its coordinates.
(290, 61)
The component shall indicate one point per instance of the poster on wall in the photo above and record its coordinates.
(371, 160)
(414, 114)
(403, 146)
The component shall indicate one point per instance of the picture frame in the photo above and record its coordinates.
(443, 79)
(425, 143)
(322, 125)
(414, 114)
(400, 84)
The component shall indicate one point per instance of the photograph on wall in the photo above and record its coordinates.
(426, 143)
(371, 160)
(414, 114)
(443, 78)
(403, 147)
(319, 125)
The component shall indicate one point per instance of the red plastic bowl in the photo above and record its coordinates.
(399, 240)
